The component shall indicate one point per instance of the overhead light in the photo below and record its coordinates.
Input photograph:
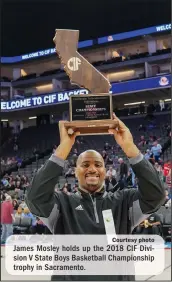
(44, 86)
(23, 73)
(32, 117)
(135, 103)
(128, 72)
(167, 100)
(4, 119)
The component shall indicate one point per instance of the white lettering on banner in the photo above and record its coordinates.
(53, 50)
(49, 99)
(34, 99)
(41, 100)
(3, 105)
(163, 27)
(66, 97)
(32, 55)
(62, 97)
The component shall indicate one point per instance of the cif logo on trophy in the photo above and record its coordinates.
(73, 63)
(91, 113)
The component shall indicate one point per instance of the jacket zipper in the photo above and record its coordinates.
(95, 209)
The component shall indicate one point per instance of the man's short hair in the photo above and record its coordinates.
(87, 151)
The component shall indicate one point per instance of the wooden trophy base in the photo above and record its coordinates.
(93, 127)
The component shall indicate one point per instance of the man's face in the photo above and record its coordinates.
(90, 171)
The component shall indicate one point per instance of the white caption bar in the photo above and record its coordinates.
(84, 255)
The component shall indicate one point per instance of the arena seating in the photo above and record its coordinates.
(36, 143)
(165, 215)
(99, 63)
(21, 225)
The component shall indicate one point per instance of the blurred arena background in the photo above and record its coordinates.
(133, 53)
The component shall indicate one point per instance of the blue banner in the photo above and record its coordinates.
(42, 53)
(135, 33)
(62, 97)
(141, 84)
(88, 43)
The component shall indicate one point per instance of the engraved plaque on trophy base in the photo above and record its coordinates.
(91, 114)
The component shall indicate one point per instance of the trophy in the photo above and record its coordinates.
(89, 113)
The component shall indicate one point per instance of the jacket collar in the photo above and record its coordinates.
(100, 193)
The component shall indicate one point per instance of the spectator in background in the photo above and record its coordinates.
(28, 214)
(168, 180)
(162, 105)
(142, 141)
(167, 167)
(107, 147)
(167, 197)
(152, 225)
(132, 176)
(147, 154)
(74, 158)
(150, 141)
(111, 172)
(75, 151)
(156, 150)
(110, 182)
(15, 205)
(159, 169)
(168, 204)
(38, 227)
(123, 173)
(65, 190)
(142, 128)
(152, 159)
(75, 189)
(104, 155)
(167, 144)
(109, 160)
(70, 172)
(19, 212)
(6, 218)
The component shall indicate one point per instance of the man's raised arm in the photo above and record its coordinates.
(40, 197)
(151, 193)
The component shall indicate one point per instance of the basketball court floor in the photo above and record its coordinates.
(165, 276)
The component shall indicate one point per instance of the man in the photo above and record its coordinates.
(142, 141)
(151, 226)
(107, 147)
(129, 207)
(111, 171)
(156, 150)
(110, 183)
(6, 218)
(123, 173)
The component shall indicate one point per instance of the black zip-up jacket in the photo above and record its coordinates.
(129, 206)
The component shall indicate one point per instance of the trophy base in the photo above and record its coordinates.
(93, 127)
